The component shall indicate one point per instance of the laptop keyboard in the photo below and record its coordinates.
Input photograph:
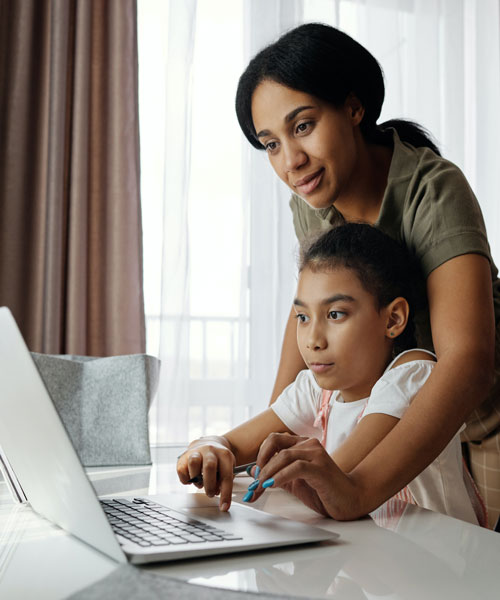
(147, 523)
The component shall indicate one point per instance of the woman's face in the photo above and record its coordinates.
(312, 146)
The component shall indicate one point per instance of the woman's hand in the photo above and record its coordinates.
(213, 459)
(303, 467)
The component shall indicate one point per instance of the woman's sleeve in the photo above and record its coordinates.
(298, 404)
(394, 391)
(308, 221)
(298, 220)
(443, 218)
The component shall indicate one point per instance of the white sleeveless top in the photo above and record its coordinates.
(308, 410)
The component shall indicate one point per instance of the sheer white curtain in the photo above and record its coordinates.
(219, 242)
(441, 61)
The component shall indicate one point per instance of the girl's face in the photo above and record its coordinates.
(311, 145)
(343, 338)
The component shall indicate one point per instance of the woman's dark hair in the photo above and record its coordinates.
(326, 63)
(383, 267)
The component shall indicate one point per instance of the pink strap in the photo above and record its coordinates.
(404, 495)
(323, 414)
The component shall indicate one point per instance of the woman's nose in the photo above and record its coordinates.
(295, 157)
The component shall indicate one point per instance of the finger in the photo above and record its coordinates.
(304, 455)
(253, 471)
(269, 448)
(183, 468)
(226, 478)
(284, 477)
(273, 444)
(209, 468)
(302, 479)
(194, 464)
(182, 471)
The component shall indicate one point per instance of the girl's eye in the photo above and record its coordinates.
(335, 315)
(301, 317)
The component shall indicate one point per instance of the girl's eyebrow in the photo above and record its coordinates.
(330, 300)
(289, 117)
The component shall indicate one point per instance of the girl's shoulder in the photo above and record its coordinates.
(415, 354)
(408, 369)
(401, 381)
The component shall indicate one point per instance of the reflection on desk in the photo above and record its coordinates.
(423, 555)
(400, 551)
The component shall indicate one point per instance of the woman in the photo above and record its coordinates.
(312, 100)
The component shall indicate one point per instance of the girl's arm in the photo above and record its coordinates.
(214, 457)
(463, 327)
(369, 432)
(291, 362)
(371, 429)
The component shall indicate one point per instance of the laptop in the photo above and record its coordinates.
(138, 530)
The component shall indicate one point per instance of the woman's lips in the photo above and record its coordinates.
(308, 184)
(320, 367)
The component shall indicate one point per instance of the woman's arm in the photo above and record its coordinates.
(291, 362)
(463, 328)
(463, 331)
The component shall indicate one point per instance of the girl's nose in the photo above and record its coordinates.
(317, 340)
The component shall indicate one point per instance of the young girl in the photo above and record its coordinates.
(355, 333)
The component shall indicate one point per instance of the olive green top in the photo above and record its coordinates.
(430, 208)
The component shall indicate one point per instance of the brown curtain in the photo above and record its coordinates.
(70, 220)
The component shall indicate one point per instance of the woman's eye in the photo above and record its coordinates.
(271, 146)
(303, 127)
(335, 315)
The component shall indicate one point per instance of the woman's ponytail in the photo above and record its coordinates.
(412, 133)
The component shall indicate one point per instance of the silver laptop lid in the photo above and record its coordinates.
(39, 450)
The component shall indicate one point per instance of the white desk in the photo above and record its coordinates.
(415, 554)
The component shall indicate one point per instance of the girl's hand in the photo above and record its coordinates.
(214, 461)
(303, 467)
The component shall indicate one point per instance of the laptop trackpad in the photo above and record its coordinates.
(244, 521)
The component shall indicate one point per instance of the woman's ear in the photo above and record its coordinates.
(355, 110)
(398, 312)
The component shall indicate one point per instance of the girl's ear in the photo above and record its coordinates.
(355, 110)
(397, 317)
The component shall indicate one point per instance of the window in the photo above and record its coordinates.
(219, 247)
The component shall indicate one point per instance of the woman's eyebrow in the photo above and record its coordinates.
(289, 117)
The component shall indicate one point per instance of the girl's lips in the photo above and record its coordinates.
(320, 367)
(306, 185)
